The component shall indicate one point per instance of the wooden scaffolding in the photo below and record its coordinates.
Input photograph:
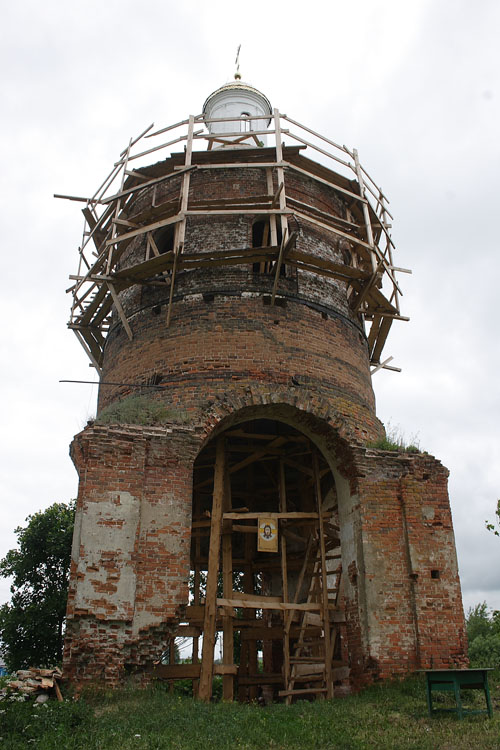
(113, 221)
(277, 602)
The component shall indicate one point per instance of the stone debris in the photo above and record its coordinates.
(40, 682)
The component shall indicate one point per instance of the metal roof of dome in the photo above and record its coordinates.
(238, 85)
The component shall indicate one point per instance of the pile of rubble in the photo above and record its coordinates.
(39, 682)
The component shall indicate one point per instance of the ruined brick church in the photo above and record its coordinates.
(235, 290)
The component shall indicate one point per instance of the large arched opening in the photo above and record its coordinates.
(266, 614)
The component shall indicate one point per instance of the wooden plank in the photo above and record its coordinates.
(284, 576)
(331, 183)
(273, 633)
(238, 201)
(77, 198)
(145, 229)
(262, 678)
(242, 212)
(227, 670)
(288, 515)
(172, 284)
(161, 146)
(272, 218)
(177, 671)
(324, 582)
(194, 613)
(188, 631)
(280, 172)
(255, 457)
(95, 361)
(247, 597)
(120, 311)
(330, 217)
(366, 212)
(381, 339)
(286, 244)
(363, 247)
(249, 649)
(245, 529)
(268, 603)
(240, 136)
(374, 330)
(207, 659)
(227, 588)
(320, 150)
(317, 135)
(241, 165)
(383, 365)
(151, 182)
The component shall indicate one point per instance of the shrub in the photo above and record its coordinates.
(483, 634)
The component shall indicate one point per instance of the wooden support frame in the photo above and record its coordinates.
(324, 581)
(207, 659)
(109, 227)
(227, 587)
(305, 623)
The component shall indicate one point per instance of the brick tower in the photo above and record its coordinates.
(235, 301)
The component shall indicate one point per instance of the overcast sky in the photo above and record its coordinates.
(412, 85)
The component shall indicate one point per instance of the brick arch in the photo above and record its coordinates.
(299, 407)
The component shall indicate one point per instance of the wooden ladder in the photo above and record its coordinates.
(313, 650)
(309, 661)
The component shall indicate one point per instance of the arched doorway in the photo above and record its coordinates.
(266, 566)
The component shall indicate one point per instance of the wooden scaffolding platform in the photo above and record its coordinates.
(113, 221)
(278, 604)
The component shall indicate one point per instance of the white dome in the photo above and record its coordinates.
(237, 99)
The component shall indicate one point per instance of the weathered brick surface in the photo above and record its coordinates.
(229, 357)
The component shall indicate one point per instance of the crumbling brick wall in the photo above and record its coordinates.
(131, 553)
(229, 356)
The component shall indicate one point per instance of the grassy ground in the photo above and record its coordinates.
(384, 716)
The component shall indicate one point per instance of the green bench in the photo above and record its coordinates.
(455, 680)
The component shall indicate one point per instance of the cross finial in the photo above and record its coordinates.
(237, 75)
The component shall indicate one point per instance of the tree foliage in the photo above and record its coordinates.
(32, 624)
(483, 633)
(495, 526)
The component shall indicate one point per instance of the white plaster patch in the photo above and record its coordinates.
(107, 535)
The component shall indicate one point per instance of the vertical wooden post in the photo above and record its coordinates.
(324, 581)
(196, 598)
(248, 587)
(126, 156)
(171, 660)
(180, 229)
(280, 171)
(227, 583)
(207, 658)
(284, 576)
(272, 218)
(366, 211)
(282, 198)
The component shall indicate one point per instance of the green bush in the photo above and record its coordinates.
(483, 634)
(484, 651)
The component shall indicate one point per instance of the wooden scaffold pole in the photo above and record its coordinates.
(207, 659)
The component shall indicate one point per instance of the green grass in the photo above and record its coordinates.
(395, 440)
(389, 716)
(141, 410)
